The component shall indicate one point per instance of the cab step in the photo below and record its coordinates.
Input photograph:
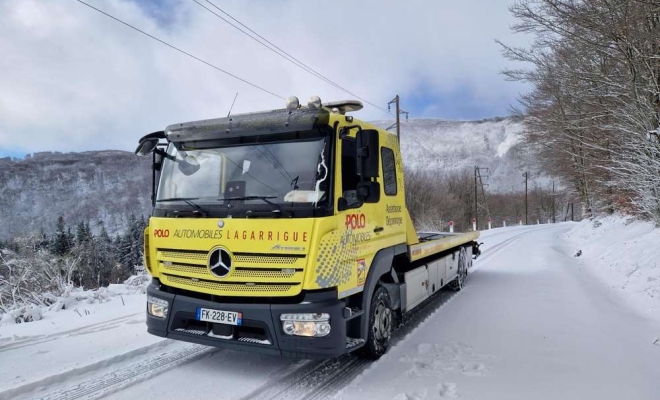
(352, 343)
(352, 312)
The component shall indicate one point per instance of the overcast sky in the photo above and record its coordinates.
(72, 79)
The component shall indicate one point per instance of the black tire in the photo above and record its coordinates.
(459, 282)
(381, 324)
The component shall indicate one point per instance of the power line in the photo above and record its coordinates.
(280, 52)
(182, 51)
(275, 49)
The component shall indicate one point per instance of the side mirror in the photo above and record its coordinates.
(369, 192)
(367, 153)
(342, 204)
(148, 143)
(146, 147)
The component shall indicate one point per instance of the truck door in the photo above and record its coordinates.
(369, 226)
(360, 222)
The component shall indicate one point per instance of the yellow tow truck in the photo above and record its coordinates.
(286, 232)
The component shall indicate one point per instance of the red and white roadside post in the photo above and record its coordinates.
(474, 224)
(520, 221)
(451, 226)
(490, 223)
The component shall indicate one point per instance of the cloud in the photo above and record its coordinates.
(73, 79)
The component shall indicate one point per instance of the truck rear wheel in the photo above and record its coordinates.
(381, 319)
(459, 282)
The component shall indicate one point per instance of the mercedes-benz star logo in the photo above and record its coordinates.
(220, 262)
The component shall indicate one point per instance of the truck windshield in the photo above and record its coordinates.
(258, 176)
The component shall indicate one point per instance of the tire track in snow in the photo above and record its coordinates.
(496, 249)
(322, 379)
(26, 341)
(145, 366)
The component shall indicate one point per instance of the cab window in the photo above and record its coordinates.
(389, 171)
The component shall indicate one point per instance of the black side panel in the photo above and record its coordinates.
(381, 265)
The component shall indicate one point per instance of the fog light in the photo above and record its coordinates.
(309, 325)
(289, 328)
(322, 328)
(157, 307)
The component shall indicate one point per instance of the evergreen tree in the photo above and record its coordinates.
(43, 241)
(104, 257)
(81, 236)
(70, 238)
(61, 244)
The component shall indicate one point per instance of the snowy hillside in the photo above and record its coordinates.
(108, 185)
(95, 186)
(461, 145)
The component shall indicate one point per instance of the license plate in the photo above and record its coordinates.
(219, 316)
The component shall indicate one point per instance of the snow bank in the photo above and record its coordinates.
(625, 254)
(72, 299)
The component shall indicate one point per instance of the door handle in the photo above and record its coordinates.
(379, 229)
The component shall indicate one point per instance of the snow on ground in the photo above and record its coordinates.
(72, 341)
(531, 324)
(534, 322)
(625, 254)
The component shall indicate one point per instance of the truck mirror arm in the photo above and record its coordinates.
(164, 154)
(343, 132)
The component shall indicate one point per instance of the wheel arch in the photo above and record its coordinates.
(381, 266)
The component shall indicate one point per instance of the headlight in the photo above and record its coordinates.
(309, 325)
(157, 307)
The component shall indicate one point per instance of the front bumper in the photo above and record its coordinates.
(261, 330)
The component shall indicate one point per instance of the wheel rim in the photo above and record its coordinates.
(462, 273)
(461, 277)
(382, 322)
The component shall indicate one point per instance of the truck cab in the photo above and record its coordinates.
(276, 231)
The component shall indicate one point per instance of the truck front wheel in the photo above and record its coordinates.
(381, 319)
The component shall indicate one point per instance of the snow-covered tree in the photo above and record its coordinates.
(595, 76)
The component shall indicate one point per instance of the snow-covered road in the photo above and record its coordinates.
(533, 323)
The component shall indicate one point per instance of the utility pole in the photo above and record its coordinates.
(526, 175)
(553, 203)
(572, 215)
(399, 111)
(477, 181)
(476, 198)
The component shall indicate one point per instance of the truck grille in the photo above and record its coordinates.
(227, 286)
(264, 259)
(252, 274)
(239, 258)
(187, 269)
(238, 272)
(183, 255)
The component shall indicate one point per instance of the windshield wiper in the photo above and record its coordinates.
(265, 199)
(178, 199)
(188, 200)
